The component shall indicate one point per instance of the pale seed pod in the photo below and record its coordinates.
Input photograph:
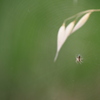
(69, 29)
(62, 36)
(81, 22)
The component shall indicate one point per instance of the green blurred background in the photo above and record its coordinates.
(28, 34)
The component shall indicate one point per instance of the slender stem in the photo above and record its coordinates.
(96, 10)
(81, 13)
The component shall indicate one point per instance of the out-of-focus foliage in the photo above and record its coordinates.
(28, 35)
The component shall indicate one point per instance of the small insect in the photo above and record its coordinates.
(79, 59)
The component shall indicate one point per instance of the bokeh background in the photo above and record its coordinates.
(28, 35)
